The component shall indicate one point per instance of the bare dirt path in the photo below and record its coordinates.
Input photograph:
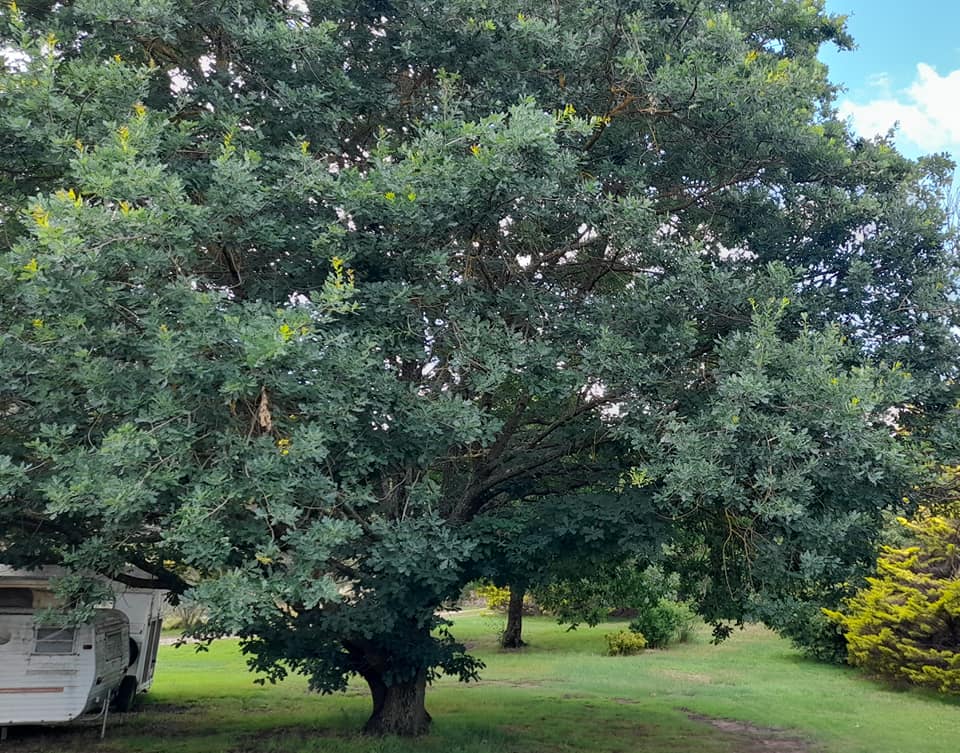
(753, 739)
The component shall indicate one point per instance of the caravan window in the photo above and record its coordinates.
(16, 598)
(54, 640)
(113, 646)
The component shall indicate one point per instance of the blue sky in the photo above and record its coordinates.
(906, 69)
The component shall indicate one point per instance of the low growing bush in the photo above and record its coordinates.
(812, 632)
(625, 643)
(664, 623)
(497, 599)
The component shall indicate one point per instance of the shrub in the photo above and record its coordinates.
(687, 621)
(664, 623)
(612, 590)
(811, 631)
(498, 599)
(905, 625)
(801, 616)
(625, 643)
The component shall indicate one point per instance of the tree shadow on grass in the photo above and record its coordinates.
(882, 684)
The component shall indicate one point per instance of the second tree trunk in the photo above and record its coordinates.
(513, 634)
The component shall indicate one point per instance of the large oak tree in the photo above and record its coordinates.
(306, 304)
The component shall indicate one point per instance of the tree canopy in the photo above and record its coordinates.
(310, 307)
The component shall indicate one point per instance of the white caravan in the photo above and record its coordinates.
(53, 673)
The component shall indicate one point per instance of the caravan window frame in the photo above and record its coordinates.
(16, 598)
(54, 645)
(113, 645)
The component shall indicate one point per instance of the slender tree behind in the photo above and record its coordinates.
(512, 636)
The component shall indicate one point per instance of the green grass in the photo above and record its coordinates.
(560, 695)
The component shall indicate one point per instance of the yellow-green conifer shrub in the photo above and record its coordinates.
(906, 624)
(497, 598)
(625, 643)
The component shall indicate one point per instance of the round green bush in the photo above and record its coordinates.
(664, 623)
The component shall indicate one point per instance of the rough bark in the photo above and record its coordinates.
(397, 709)
(513, 634)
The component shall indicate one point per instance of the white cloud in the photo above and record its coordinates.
(927, 113)
(880, 81)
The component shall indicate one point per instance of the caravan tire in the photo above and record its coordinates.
(126, 694)
(134, 652)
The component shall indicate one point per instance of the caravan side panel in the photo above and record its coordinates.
(45, 673)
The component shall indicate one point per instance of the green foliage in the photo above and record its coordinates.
(647, 593)
(800, 617)
(664, 623)
(305, 306)
(623, 587)
(905, 625)
(805, 624)
(625, 643)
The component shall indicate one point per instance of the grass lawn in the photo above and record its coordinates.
(752, 694)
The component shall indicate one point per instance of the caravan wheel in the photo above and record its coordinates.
(126, 694)
(134, 652)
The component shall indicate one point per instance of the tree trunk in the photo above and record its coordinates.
(397, 709)
(513, 634)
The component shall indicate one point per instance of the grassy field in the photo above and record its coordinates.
(753, 694)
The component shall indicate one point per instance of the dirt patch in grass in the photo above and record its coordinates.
(697, 677)
(749, 738)
(165, 708)
(505, 683)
